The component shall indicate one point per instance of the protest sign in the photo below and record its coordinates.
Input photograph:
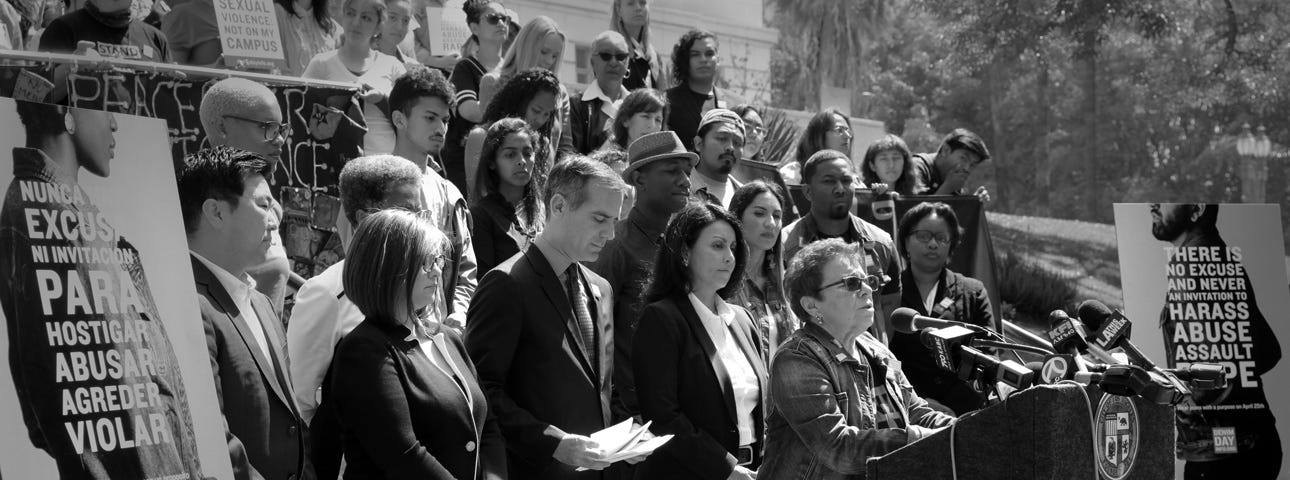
(249, 35)
(447, 27)
(104, 371)
(1207, 283)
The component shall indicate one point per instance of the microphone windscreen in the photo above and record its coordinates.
(903, 320)
(1094, 314)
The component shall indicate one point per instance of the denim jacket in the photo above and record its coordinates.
(822, 421)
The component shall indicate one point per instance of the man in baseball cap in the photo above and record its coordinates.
(720, 143)
(659, 169)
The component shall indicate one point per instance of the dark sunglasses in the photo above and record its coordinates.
(497, 18)
(853, 283)
(606, 56)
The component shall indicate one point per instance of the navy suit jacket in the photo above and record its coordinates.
(523, 336)
(403, 417)
(262, 419)
(684, 388)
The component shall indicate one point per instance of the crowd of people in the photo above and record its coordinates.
(526, 266)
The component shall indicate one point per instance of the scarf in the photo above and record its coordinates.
(118, 19)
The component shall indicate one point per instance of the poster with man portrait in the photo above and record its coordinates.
(103, 364)
(1207, 283)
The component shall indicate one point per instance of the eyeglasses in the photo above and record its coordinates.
(841, 130)
(606, 56)
(854, 282)
(497, 18)
(432, 265)
(755, 129)
(272, 130)
(927, 237)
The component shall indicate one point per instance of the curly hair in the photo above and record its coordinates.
(486, 180)
(420, 82)
(513, 101)
(681, 54)
(671, 274)
(365, 182)
(806, 271)
(889, 143)
(645, 100)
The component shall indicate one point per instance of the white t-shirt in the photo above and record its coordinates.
(381, 75)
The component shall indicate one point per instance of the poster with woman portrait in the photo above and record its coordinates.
(1207, 283)
(103, 364)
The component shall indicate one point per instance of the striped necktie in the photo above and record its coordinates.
(578, 296)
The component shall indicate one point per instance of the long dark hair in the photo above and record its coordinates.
(671, 273)
(321, 15)
(486, 180)
(681, 54)
(743, 198)
(813, 139)
(513, 101)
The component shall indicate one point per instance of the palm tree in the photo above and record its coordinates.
(830, 35)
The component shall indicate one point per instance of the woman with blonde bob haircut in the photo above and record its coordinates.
(405, 391)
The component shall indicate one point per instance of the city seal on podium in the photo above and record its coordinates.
(1116, 429)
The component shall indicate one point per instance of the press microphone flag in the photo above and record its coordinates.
(1110, 329)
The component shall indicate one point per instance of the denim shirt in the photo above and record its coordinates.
(822, 423)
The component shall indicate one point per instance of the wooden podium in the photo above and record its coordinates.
(1044, 432)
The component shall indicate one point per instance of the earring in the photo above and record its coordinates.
(815, 317)
(69, 123)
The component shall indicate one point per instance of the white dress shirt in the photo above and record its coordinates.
(321, 317)
(240, 289)
(743, 379)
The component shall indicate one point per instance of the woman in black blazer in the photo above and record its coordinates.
(508, 208)
(404, 390)
(699, 370)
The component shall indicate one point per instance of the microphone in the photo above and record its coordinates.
(907, 320)
(1132, 381)
(1056, 368)
(952, 351)
(1201, 376)
(1068, 339)
(1112, 330)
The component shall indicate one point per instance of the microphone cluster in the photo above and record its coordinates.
(1102, 330)
(958, 347)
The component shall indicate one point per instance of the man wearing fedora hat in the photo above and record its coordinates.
(659, 169)
(720, 143)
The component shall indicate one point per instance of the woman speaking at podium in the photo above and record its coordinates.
(838, 396)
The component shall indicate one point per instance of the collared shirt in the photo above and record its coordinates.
(627, 262)
(608, 106)
(323, 315)
(559, 261)
(240, 289)
(743, 379)
(877, 244)
(723, 191)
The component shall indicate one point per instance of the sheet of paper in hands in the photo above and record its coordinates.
(626, 440)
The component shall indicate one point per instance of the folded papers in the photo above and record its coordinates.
(626, 440)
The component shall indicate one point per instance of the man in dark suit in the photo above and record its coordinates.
(541, 332)
(592, 113)
(229, 217)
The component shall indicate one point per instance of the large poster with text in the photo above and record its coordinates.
(327, 130)
(1207, 283)
(104, 372)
